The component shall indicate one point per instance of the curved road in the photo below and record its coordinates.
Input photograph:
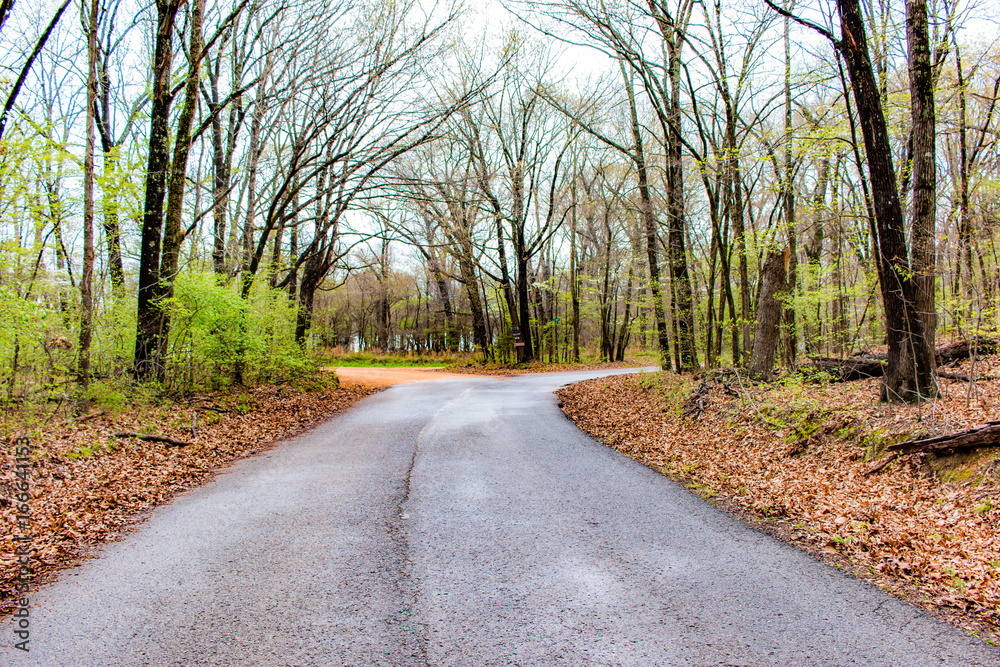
(463, 523)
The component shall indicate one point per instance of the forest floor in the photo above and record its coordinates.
(88, 485)
(792, 458)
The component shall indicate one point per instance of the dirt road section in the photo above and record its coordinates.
(385, 377)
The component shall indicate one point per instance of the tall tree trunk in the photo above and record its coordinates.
(649, 223)
(625, 332)
(173, 235)
(788, 192)
(448, 338)
(508, 293)
(574, 279)
(909, 376)
(814, 250)
(255, 150)
(528, 349)
(467, 270)
(922, 238)
(773, 285)
(112, 230)
(840, 300)
(293, 253)
(276, 247)
(963, 263)
(304, 312)
(677, 223)
(734, 195)
(223, 147)
(146, 362)
(713, 255)
(110, 189)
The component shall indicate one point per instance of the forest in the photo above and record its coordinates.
(205, 193)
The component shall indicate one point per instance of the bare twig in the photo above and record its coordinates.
(153, 438)
(886, 461)
(85, 418)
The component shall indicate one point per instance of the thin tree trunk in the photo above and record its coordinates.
(480, 337)
(734, 195)
(87, 273)
(624, 332)
(110, 189)
(963, 273)
(112, 230)
(574, 278)
(652, 235)
(788, 191)
(814, 251)
(293, 249)
(677, 224)
(840, 300)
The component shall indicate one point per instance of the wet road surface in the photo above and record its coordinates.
(463, 522)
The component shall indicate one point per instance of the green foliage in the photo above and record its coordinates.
(794, 406)
(317, 381)
(217, 336)
(504, 346)
(875, 442)
(242, 404)
(669, 390)
(34, 354)
(109, 395)
(81, 452)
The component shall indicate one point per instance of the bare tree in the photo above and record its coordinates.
(650, 38)
(909, 373)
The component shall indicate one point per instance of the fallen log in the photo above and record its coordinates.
(962, 350)
(170, 442)
(844, 370)
(873, 365)
(85, 418)
(974, 438)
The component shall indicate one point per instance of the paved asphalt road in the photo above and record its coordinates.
(463, 523)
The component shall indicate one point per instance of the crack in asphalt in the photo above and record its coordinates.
(407, 589)
(407, 585)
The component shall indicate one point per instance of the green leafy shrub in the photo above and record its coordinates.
(218, 338)
(109, 395)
